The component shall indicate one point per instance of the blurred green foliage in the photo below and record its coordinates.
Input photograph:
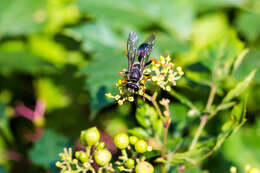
(69, 53)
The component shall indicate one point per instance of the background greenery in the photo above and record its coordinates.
(69, 53)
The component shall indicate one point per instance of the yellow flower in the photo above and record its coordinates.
(109, 95)
(120, 102)
(168, 88)
(117, 97)
(131, 99)
(179, 68)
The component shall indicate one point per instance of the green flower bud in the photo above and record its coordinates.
(144, 167)
(102, 157)
(130, 163)
(133, 139)
(90, 136)
(121, 140)
(83, 157)
(141, 146)
(77, 154)
(101, 146)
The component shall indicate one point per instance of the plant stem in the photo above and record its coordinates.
(204, 118)
(165, 134)
(198, 132)
(155, 104)
(166, 124)
(211, 96)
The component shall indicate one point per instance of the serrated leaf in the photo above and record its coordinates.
(46, 151)
(18, 17)
(139, 132)
(241, 86)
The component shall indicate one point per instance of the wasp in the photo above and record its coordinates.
(135, 72)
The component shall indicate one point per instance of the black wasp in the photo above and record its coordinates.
(135, 71)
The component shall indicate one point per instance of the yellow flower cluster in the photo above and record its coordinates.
(120, 100)
(165, 76)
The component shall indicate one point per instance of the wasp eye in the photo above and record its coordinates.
(136, 88)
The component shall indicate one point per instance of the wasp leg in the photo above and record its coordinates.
(148, 76)
(149, 62)
(143, 90)
(123, 74)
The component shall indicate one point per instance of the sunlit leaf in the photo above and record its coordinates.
(139, 132)
(142, 13)
(18, 17)
(23, 62)
(241, 86)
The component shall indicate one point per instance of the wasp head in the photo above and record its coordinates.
(132, 87)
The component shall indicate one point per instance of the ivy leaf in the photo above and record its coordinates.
(46, 151)
(241, 86)
(19, 17)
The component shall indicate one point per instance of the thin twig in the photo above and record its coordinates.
(204, 117)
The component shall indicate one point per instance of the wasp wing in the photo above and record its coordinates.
(132, 42)
(147, 50)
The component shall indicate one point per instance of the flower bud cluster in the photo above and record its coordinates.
(83, 161)
(131, 163)
(120, 98)
(96, 152)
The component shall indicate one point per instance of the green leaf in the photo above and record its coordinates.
(18, 17)
(151, 154)
(248, 24)
(139, 132)
(246, 143)
(46, 151)
(21, 61)
(3, 169)
(191, 157)
(4, 123)
(241, 86)
(135, 13)
(220, 55)
(108, 60)
(184, 100)
(239, 60)
(147, 117)
(249, 63)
